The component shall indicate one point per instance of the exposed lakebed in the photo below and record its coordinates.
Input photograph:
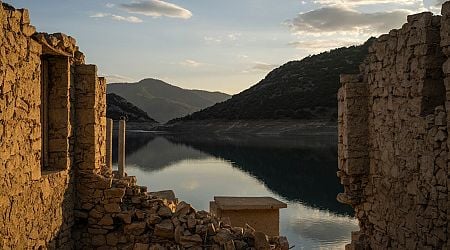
(298, 170)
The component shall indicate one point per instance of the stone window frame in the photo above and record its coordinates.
(55, 113)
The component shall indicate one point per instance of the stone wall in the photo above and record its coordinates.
(56, 191)
(393, 145)
(33, 212)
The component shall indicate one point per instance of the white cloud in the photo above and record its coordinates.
(242, 56)
(261, 67)
(234, 36)
(365, 2)
(230, 38)
(115, 78)
(434, 5)
(110, 5)
(346, 20)
(99, 15)
(156, 8)
(130, 19)
(191, 63)
(211, 39)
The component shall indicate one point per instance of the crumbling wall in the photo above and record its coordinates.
(56, 191)
(34, 204)
(393, 148)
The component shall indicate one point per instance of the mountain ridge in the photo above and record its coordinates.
(164, 101)
(304, 89)
(118, 107)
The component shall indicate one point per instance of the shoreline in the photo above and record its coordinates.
(253, 127)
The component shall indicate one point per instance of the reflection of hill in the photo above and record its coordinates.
(296, 171)
(133, 142)
(152, 153)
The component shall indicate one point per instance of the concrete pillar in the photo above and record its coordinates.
(121, 162)
(109, 130)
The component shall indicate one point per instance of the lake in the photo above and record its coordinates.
(300, 171)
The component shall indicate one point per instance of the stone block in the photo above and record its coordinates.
(113, 193)
(112, 208)
(165, 229)
(86, 70)
(135, 228)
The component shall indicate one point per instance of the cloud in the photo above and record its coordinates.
(234, 36)
(365, 2)
(99, 15)
(191, 63)
(115, 78)
(230, 38)
(346, 20)
(130, 19)
(210, 39)
(439, 2)
(261, 67)
(264, 66)
(434, 5)
(242, 56)
(156, 8)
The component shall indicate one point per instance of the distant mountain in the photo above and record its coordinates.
(304, 89)
(116, 107)
(163, 101)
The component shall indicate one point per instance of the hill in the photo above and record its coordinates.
(304, 89)
(116, 107)
(163, 101)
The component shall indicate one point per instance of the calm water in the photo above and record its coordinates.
(299, 171)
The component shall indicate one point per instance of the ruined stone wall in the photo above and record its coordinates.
(393, 148)
(56, 191)
(34, 204)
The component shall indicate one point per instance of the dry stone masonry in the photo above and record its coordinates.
(57, 190)
(393, 138)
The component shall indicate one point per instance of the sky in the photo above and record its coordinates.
(213, 45)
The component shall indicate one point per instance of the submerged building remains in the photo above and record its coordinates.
(56, 190)
(394, 122)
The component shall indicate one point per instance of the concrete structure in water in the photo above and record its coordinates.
(394, 153)
(57, 188)
(261, 213)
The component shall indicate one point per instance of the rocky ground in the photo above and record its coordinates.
(133, 218)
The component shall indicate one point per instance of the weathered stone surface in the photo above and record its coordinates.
(98, 240)
(112, 208)
(135, 228)
(125, 217)
(190, 241)
(141, 246)
(164, 229)
(112, 239)
(261, 241)
(153, 219)
(223, 236)
(114, 193)
(165, 212)
(393, 138)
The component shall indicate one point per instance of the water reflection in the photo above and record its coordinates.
(300, 171)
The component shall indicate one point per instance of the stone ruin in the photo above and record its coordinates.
(393, 138)
(56, 190)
